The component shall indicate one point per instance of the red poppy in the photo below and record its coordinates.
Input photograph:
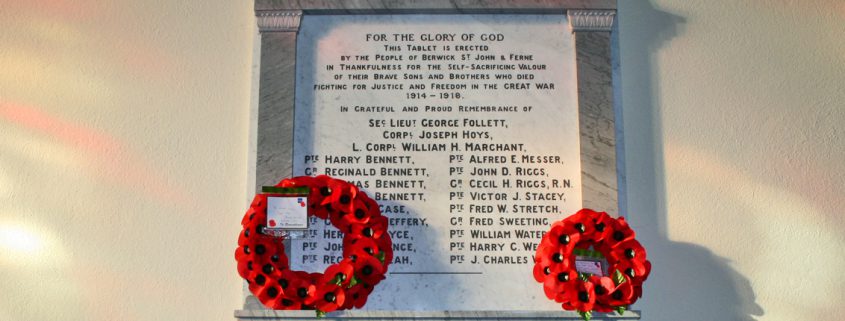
(540, 272)
(355, 254)
(620, 296)
(285, 279)
(555, 250)
(329, 298)
(243, 266)
(359, 214)
(356, 296)
(336, 218)
(243, 238)
(368, 269)
(257, 211)
(554, 257)
(562, 234)
(259, 280)
(627, 250)
(603, 287)
(340, 195)
(318, 210)
(241, 253)
(358, 243)
(264, 246)
(273, 260)
(319, 190)
(583, 222)
(321, 179)
(287, 303)
(315, 278)
(254, 231)
(558, 283)
(621, 231)
(374, 228)
(248, 216)
(636, 270)
(269, 293)
(602, 227)
(342, 272)
(288, 300)
(260, 200)
(583, 298)
(302, 289)
(369, 203)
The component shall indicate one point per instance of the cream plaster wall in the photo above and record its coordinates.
(123, 158)
(124, 134)
(733, 119)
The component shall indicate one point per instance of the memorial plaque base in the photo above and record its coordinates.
(429, 315)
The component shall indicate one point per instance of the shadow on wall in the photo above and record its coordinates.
(688, 282)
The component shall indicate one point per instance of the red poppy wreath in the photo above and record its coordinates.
(367, 250)
(591, 233)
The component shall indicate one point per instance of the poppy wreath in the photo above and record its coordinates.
(367, 250)
(590, 233)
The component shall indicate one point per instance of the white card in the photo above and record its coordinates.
(287, 212)
(592, 267)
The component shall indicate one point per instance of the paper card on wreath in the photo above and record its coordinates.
(287, 212)
(593, 267)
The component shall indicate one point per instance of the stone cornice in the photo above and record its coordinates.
(278, 20)
(590, 20)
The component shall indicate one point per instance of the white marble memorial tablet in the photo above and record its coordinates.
(465, 130)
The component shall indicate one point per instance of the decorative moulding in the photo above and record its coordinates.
(278, 20)
(590, 20)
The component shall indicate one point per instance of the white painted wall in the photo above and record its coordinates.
(124, 137)
(733, 119)
(123, 158)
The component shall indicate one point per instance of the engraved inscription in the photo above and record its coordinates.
(463, 129)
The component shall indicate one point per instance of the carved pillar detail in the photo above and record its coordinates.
(592, 30)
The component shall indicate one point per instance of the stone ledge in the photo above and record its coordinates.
(428, 315)
(454, 6)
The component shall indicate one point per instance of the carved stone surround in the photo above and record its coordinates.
(591, 20)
